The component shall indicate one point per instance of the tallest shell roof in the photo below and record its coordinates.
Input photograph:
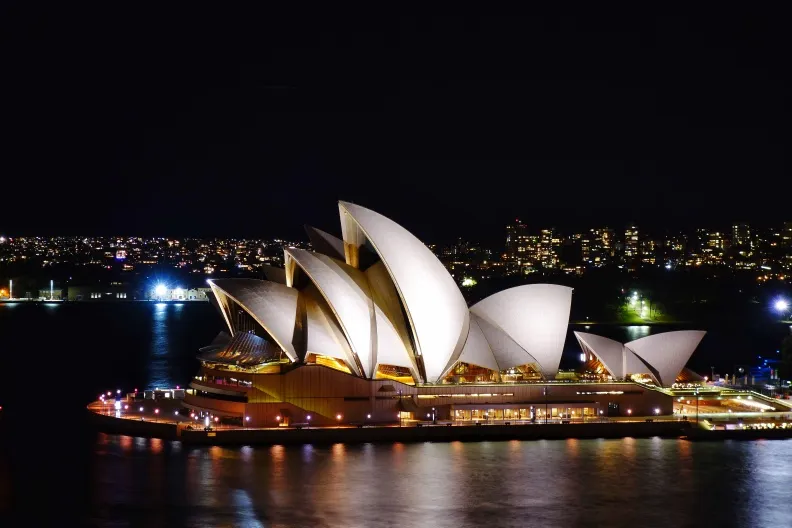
(423, 284)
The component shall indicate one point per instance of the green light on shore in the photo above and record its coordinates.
(467, 281)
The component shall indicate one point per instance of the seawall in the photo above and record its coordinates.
(148, 429)
(466, 433)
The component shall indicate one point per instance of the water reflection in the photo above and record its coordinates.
(156, 446)
(628, 482)
(158, 348)
(637, 332)
(770, 466)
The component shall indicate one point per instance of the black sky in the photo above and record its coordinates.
(248, 123)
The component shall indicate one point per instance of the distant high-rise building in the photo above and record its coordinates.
(516, 234)
(786, 235)
(548, 244)
(522, 249)
(601, 247)
(649, 247)
(632, 249)
(585, 246)
(741, 235)
(673, 250)
(713, 246)
(531, 254)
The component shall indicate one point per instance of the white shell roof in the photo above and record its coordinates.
(325, 243)
(436, 310)
(668, 352)
(507, 352)
(535, 316)
(272, 305)
(608, 351)
(347, 291)
(323, 336)
(390, 318)
(477, 350)
(348, 298)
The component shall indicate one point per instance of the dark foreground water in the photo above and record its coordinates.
(55, 472)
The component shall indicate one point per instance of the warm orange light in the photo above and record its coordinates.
(338, 416)
(278, 418)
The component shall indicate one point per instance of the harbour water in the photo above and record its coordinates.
(55, 471)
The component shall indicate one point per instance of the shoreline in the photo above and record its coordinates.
(168, 430)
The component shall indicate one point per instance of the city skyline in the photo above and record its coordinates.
(525, 251)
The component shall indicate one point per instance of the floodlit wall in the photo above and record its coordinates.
(324, 393)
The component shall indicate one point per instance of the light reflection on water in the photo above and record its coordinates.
(637, 332)
(628, 482)
(160, 366)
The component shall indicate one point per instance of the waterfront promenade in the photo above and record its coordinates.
(166, 419)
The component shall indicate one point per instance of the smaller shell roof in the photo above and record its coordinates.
(272, 305)
(535, 316)
(245, 350)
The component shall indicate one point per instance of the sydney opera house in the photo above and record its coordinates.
(370, 327)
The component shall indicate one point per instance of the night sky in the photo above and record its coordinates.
(251, 124)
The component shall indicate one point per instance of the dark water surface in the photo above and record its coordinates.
(55, 472)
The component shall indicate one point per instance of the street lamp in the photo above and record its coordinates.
(545, 396)
(697, 404)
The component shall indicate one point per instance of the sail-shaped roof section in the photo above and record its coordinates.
(667, 353)
(477, 349)
(325, 243)
(535, 316)
(373, 337)
(609, 352)
(344, 288)
(436, 311)
(323, 335)
(273, 306)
